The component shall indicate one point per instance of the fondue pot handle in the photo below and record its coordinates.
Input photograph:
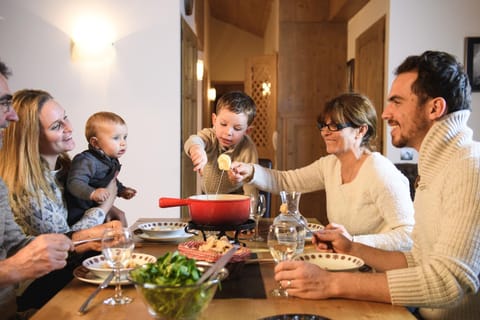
(172, 202)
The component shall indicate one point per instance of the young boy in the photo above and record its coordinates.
(232, 121)
(93, 169)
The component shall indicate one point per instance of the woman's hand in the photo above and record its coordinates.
(303, 280)
(340, 228)
(240, 172)
(94, 232)
(332, 240)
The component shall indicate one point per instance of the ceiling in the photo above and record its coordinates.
(252, 15)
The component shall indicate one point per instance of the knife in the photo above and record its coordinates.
(219, 264)
(103, 285)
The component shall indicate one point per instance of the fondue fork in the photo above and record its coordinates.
(76, 243)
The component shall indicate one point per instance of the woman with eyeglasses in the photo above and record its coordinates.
(368, 199)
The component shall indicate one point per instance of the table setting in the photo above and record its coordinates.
(246, 283)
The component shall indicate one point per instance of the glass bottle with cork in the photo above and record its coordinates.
(289, 212)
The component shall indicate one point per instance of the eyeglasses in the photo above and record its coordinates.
(332, 126)
(6, 103)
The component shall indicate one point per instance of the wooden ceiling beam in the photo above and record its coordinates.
(343, 10)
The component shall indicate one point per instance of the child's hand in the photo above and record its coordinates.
(127, 193)
(99, 195)
(199, 158)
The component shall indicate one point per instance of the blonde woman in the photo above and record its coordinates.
(33, 164)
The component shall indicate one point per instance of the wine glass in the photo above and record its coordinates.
(282, 242)
(117, 248)
(257, 210)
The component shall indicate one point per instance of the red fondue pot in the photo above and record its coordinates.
(213, 209)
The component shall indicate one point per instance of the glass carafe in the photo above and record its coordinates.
(289, 212)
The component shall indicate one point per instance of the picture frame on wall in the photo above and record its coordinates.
(472, 58)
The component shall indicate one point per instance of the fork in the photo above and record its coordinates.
(304, 224)
(76, 243)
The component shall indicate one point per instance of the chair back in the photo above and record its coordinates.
(409, 170)
(267, 163)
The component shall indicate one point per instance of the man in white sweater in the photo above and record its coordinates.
(428, 108)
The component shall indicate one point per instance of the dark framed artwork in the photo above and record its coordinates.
(350, 74)
(472, 58)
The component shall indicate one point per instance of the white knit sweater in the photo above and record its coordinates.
(375, 207)
(444, 264)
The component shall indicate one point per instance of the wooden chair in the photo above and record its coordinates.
(410, 171)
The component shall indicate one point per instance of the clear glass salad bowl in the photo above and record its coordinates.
(185, 302)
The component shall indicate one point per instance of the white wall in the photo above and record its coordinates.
(414, 26)
(142, 84)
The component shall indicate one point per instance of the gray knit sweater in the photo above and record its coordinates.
(11, 240)
(444, 264)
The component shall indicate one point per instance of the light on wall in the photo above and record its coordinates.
(92, 40)
(212, 94)
(266, 88)
(199, 70)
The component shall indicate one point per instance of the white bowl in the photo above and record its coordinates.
(163, 228)
(100, 268)
(332, 261)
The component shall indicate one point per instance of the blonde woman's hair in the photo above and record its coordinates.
(21, 166)
(95, 121)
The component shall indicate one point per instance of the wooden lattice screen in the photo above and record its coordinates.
(261, 85)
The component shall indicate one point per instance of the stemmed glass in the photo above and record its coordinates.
(257, 210)
(282, 242)
(117, 248)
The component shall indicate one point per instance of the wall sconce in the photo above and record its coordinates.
(199, 70)
(212, 94)
(266, 88)
(92, 40)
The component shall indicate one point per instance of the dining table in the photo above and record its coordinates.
(245, 295)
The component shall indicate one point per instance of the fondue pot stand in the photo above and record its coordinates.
(248, 225)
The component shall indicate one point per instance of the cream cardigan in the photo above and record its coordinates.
(375, 207)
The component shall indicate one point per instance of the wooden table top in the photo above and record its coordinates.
(66, 303)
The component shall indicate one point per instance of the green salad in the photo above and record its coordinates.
(172, 269)
(168, 287)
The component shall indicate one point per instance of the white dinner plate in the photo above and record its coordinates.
(163, 228)
(314, 227)
(173, 238)
(332, 261)
(85, 275)
(99, 266)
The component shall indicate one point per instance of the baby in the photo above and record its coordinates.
(93, 169)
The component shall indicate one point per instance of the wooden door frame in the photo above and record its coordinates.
(373, 37)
